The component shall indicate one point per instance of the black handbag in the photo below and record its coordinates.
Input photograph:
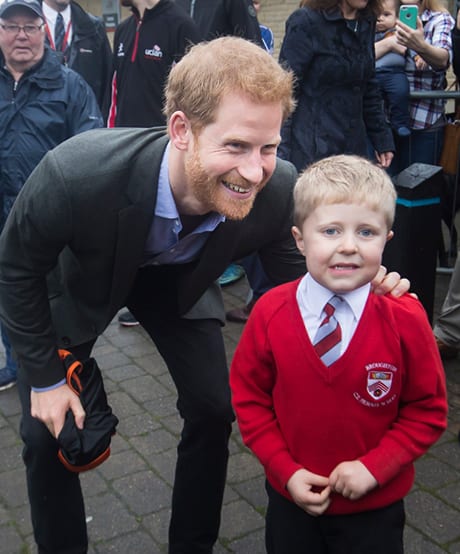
(84, 449)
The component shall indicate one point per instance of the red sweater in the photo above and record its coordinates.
(382, 402)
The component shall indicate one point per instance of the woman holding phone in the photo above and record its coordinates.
(329, 45)
(429, 48)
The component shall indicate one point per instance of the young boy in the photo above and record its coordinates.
(390, 70)
(337, 426)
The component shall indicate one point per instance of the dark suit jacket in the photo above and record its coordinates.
(85, 213)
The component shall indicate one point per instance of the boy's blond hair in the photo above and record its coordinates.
(344, 179)
(211, 70)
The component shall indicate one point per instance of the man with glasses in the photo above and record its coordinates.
(42, 103)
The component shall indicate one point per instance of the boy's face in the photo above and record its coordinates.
(343, 245)
(388, 16)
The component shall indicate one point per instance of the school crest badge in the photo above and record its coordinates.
(379, 383)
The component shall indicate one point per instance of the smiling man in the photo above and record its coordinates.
(149, 220)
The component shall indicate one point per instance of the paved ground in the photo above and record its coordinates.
(128, 497)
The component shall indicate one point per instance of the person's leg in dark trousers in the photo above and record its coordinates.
(56, 500)
(291, 529)
(195, 355)
(376, 531)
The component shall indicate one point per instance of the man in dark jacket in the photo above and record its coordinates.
(42, 104)
(83, 46)
(217, 18)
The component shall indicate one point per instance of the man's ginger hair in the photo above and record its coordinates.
(344, 179)
(211, 70)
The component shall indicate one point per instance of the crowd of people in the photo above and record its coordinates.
(216, 153)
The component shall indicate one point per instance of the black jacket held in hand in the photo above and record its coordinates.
(84, 449)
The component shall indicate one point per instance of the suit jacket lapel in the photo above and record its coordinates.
(135, 219)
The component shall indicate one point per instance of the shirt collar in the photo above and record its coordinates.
(319, 295)
(166, 205)
(51, 15)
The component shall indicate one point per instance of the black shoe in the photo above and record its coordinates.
(127, 319)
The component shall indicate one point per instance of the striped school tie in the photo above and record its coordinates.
(327, 341)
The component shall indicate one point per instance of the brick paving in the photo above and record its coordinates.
(128, 497)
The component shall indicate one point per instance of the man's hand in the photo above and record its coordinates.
(352, 480)
(300, 487)
(50, 408)
(384, 158)
(384, 283)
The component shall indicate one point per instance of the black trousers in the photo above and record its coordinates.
(289, 529)
(195, 355)
(56, 500)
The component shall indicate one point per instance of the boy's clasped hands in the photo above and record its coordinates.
(312, 492)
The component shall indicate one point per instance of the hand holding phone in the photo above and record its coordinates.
(408, 15)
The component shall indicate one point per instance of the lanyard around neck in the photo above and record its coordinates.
(66, 36)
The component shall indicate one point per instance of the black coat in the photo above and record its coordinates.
(456, 51)
(217, 18)
(339, 103)
(90, 53)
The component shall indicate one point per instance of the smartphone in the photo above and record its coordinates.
(408, 14)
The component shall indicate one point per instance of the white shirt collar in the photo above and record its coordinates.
(51, 15)
(315, 297)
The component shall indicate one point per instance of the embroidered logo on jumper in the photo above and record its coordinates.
(154, 52)
(379, 383)
(120, 51)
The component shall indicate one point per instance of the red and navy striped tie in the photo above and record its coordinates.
(327, 341)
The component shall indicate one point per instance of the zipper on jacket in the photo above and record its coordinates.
(136, 41)
(15, 88)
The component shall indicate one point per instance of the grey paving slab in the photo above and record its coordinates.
(253, 491)
(252, 543)
(143, 492)
(12, 541)
(132, 542)
(238, 519)
(156, 524)
(433, 517)
(109, 517)
(417, 543)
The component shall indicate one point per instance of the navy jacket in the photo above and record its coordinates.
(339, 103)
(49, 104)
